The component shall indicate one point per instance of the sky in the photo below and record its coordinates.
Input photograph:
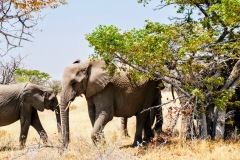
(62, 36)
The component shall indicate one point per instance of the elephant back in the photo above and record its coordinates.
(123, 81)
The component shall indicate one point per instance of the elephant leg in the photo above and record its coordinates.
(38, 126)
(148, 132)
(140, 120)
(124, 126)
(25, 122)
(158, 114)
(91, 112)
(159, 120)
(102, 119)
(104, 111)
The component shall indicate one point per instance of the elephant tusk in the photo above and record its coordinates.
(56, 109)
(69, 103)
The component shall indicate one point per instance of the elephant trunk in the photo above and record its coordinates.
(57, 113)
(65, 124)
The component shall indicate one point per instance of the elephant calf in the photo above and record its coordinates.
(21, 101)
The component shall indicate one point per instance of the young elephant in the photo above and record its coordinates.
(107, 96)
(21, 101)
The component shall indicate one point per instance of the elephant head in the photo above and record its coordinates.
(41, 98)
(86, 78)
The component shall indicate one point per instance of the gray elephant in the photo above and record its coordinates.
(107, 96)
(155, 115)
(22, 101)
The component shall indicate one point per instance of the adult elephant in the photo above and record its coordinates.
(156, 119)
(107, 96)
(22, 101)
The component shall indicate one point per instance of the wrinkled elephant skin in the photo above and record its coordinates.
(107, 97)
(22, 101)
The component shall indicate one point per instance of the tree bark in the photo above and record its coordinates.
(203, 126)
(234, 75)
(219, 123)
(231, 82)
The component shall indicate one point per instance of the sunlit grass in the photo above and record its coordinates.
(115, 148)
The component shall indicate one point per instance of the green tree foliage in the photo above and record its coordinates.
(33, 76)
(198, 54)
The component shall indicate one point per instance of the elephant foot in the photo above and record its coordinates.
(22, 145)
(158, 128)
(98, 139)
(44, 137)
(143, 142)
(22, 142)
(44, 140)
(125, 134)
(147, 139)
(65, 145)
(137, 142)
(99, 142)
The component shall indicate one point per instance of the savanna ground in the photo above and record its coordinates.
(116, 147)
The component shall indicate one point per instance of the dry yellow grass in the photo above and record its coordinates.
(116, 147)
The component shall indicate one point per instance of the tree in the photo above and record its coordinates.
(55, 85)
(197, 55)
(33, 76)
(18, 19)
(7, 69)
(36, 77)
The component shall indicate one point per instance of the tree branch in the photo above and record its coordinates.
(201, 9)
(234, 75)
(156, 75)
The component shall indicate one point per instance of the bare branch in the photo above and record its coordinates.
(16, 25)
(7, 69)
(159, 7)
(158, 106)
(202, 10)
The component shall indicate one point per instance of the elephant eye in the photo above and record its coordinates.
(84, 70)
(74, 83)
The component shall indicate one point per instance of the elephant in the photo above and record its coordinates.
(22, 101)
(155, 114)
(107, 96)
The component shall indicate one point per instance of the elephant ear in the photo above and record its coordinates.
(34, 96)
(77, 61)
(98, 78)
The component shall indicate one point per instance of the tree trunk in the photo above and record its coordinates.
(203, 126)
(231, 82)
(219, 123)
